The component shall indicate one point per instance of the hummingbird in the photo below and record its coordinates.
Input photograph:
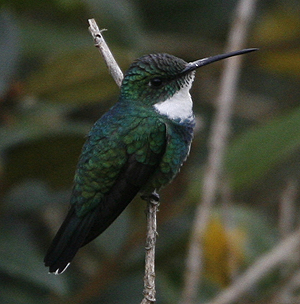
(138, 146)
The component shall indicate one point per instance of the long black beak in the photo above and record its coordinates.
(191, 66)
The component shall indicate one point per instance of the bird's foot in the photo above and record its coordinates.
(152, 198)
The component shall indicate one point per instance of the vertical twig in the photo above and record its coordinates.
(287, 208)
(287, 220)
(149, 278)
(152, 201)
(109, 59)
(217, 144)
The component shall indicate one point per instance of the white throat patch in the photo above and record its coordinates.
(179, 106)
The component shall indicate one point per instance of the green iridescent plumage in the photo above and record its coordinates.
(138, 146)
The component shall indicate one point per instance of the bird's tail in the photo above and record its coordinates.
(69, 238)
(76, 232)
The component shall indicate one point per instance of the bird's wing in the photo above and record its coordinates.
(112, 169)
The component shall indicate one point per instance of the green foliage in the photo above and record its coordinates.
(74, 78)
(252, 155)
(55, 164)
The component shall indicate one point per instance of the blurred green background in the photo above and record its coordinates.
(54, 86)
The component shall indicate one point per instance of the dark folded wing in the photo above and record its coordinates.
(104, 186)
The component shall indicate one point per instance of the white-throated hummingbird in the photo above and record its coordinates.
(138, 146)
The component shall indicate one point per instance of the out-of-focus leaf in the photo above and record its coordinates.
(258, 150)
(232, 242)
(50, 158)
(248, 240)
(9, 48)
(43, 144)
(128, 288)
(285, 62)
(21, 260)
(59, 11)
(20, 292)
(117, 232)
(76, 77)
(282, 24)
(31, 195)
(52, 38)
(277, 34)
(228, 249)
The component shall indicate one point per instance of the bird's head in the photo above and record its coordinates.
(163, 81)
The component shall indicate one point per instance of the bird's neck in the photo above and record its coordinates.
(179, 107)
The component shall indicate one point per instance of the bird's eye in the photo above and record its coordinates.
(156, 82)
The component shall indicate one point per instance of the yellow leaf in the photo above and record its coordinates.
(280, 25)
(223, 251)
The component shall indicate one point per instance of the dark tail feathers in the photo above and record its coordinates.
(76, 232)
(69, 238)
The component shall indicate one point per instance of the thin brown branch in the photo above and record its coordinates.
(149, 278)
(152, 202)
(287, 220)
(287, 208)
(109, 59)
(217, 145)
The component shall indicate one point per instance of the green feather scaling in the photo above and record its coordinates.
(138, 146)
(131, 149)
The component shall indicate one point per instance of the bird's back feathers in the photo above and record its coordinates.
(106, 184)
